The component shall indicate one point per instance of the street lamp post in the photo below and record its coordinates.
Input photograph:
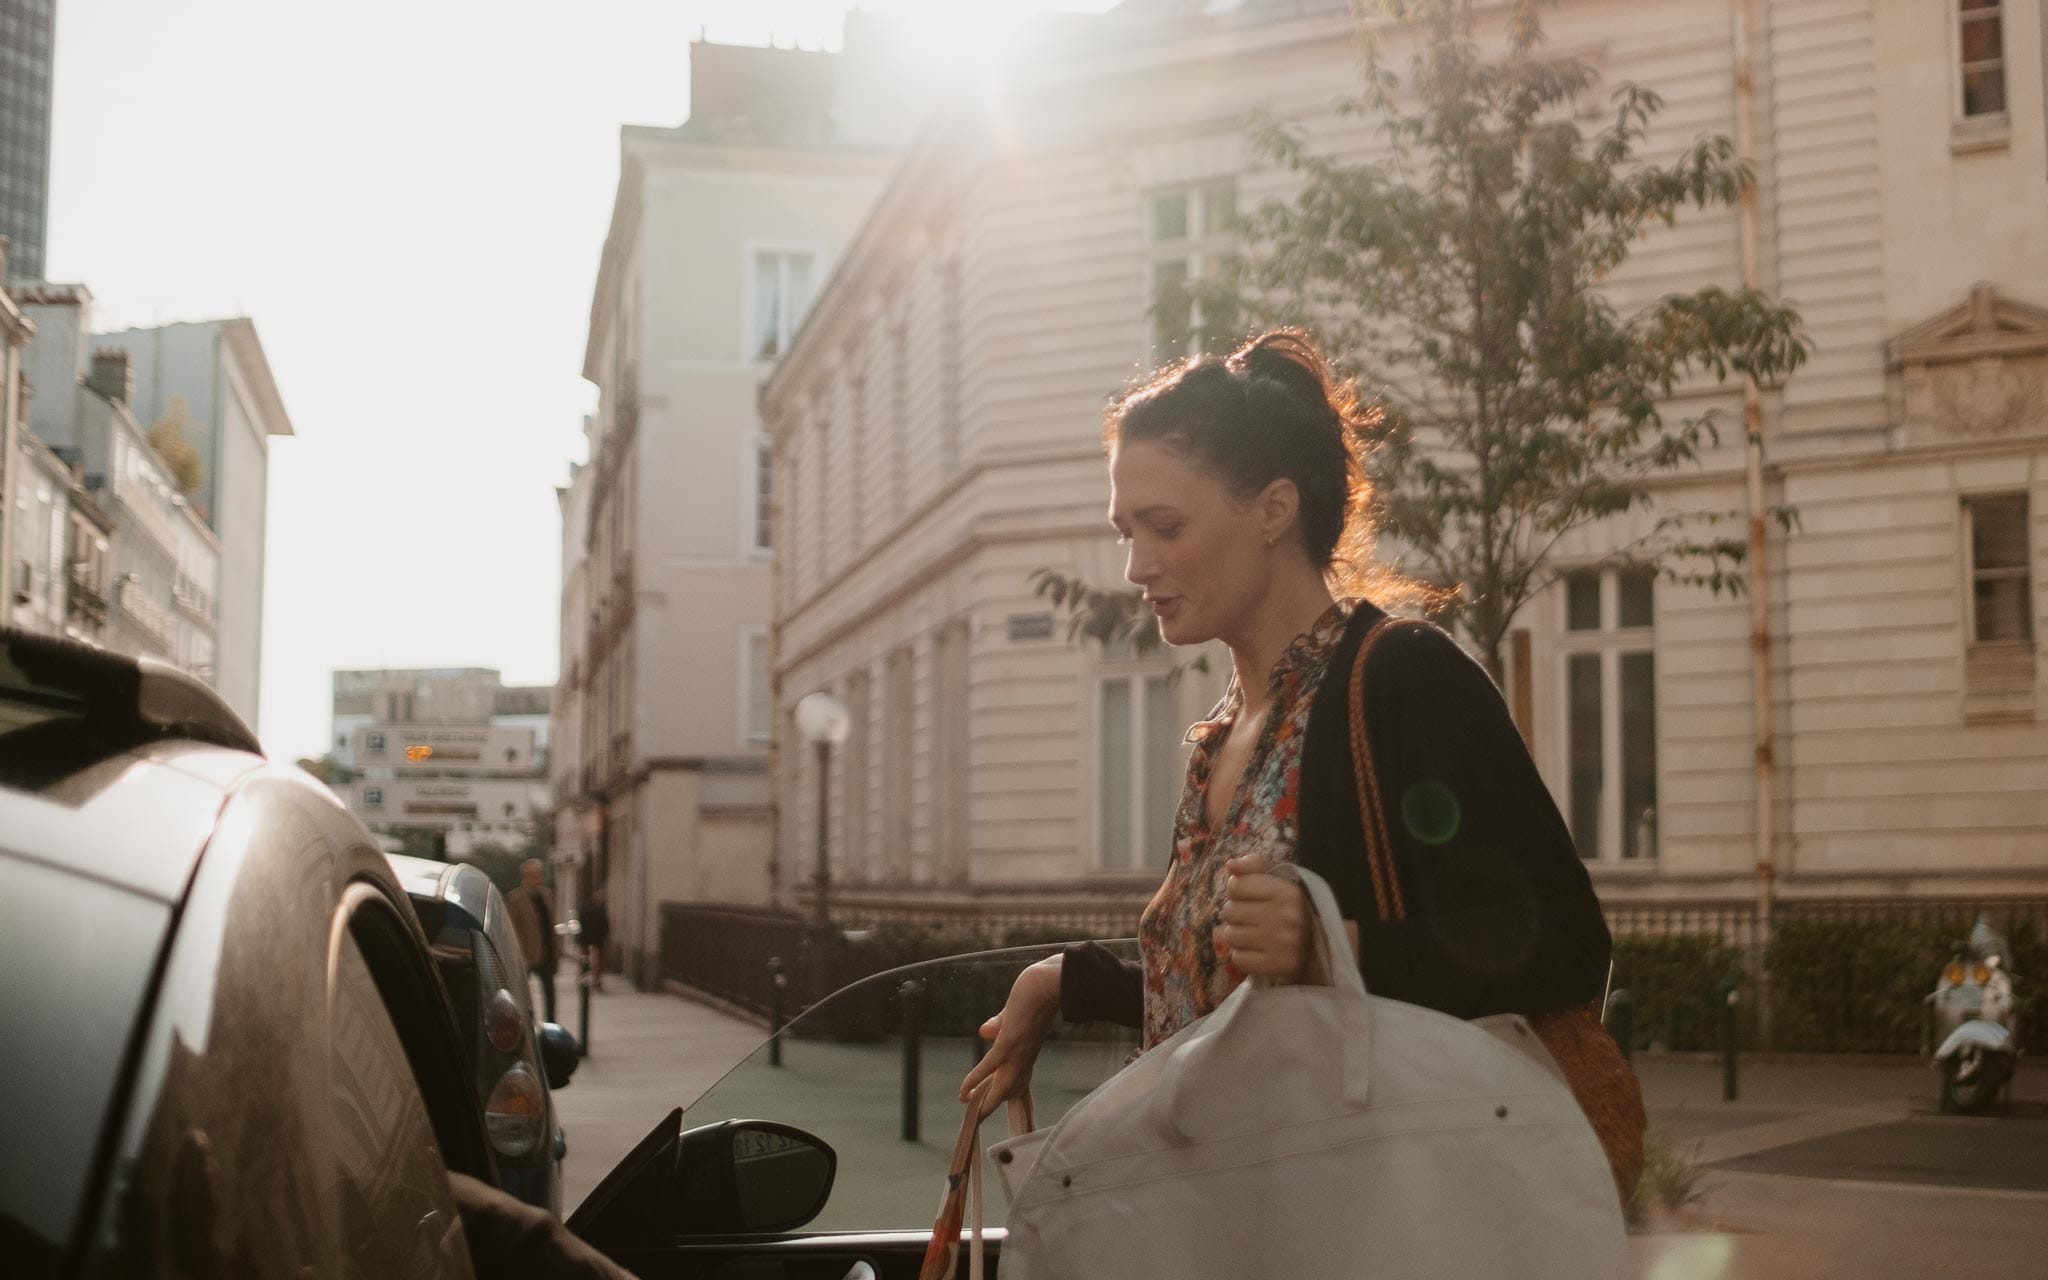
(824, 722)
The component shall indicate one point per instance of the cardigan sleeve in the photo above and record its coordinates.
(1095, 986)
(1500, 915)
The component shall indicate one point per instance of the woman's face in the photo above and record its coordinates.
(1198, 550)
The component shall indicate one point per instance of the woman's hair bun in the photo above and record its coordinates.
(1290, 358)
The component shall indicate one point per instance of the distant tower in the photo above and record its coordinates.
(27, 34)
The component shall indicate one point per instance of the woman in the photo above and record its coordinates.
(1236, 486)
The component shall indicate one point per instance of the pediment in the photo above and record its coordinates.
(1986, 324)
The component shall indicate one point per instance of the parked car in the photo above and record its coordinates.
(227, 1048)
(230, 1050)
(515, 1061)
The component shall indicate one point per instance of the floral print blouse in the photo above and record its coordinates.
(1185, 976)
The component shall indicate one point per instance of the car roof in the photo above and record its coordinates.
(112, 768)
(457, 884)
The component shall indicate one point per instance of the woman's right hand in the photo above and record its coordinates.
(1016, 1034)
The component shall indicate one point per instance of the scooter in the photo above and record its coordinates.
(1973, 1014)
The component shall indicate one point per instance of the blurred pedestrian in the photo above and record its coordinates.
(532, 906)
(594, 931)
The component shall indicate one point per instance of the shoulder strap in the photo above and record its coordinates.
(1372, 811)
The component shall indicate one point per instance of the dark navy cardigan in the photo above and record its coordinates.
(1500, 913)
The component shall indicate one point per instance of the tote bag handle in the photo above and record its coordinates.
(1200, 1053)
(964, 1178)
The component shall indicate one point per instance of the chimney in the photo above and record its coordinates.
(112, 376)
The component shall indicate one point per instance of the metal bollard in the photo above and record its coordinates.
(1621, 1023)
(1730, 995)
(778, 986)
(583, 1004)
(911, 995)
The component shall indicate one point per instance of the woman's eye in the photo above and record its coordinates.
(1167, 534)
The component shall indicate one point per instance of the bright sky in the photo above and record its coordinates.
(409, 198)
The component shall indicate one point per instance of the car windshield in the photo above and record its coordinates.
(843, 1067)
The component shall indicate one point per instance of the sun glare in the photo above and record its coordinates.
(968, 35)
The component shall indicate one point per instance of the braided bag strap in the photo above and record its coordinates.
(1372, 810)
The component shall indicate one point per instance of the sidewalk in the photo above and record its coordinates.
(1848, 1169)
(1820, 1169)
(650, 1053)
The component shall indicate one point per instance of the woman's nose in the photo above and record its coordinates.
(1138, 569)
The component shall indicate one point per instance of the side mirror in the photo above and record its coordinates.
(751, 1177)
(559, 1054)
(737, 1177)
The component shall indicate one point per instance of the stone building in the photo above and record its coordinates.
(936, 435)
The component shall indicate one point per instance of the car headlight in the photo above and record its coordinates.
(1980, 975)
(516, 1112)
(1953, 975)
(502, 1022)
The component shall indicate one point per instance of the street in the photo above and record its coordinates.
(1821, 1168)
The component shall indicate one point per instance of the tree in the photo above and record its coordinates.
(328, 770)
(169, 437)
(1459, 272)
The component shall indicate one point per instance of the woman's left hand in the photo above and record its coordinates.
(1265, 924)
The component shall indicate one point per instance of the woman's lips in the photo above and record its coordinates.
(1166, 607)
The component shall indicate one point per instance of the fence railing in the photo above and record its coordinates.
(724, 951)
(1845, 975)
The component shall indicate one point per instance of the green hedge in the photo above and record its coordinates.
(1676, 982)
(1842, 985)
(1837, 984)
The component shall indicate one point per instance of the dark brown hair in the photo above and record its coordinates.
(1272, 410)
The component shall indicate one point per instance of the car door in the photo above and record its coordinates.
(885, 1103)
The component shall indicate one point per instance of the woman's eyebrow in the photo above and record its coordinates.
(1151, 512)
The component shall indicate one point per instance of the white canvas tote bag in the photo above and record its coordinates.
(1317, 1131)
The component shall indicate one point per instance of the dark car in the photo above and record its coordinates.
(229, 1050)
(514, 1060)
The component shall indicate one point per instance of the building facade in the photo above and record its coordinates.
(454, 752)
(936, 433)
(568, 787)
(722, 231)
(218, 372)
(147, 567)
(27, 40)
(15, 329)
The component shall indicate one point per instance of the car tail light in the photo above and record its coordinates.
(1953, 975)
(516, 1113)
(502, 1022)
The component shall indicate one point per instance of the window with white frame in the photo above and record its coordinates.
(1190, 233)
(1139, 762)
(763, 513)
(2001, 586)
(758, 683)
(1981, 57)
(1610, 686)
(782, 289)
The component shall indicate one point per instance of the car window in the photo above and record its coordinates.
(842, 1072)
(396, 1215)
(78, 956)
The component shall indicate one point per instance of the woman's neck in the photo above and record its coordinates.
(1290, 608)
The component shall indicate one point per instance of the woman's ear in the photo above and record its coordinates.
(1278, 505)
